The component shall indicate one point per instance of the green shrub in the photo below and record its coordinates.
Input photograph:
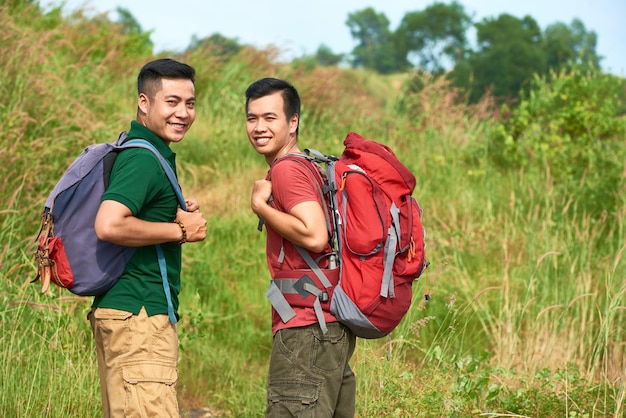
(568, 125)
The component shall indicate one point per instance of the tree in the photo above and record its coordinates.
(127, 21)
(375, 49)
(571, 45)
(433, 36)
(325, 56)
(219, 45)
(138, 40)
(510, 51)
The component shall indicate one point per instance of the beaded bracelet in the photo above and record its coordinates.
(184, 230)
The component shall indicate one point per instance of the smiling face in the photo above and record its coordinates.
(171, 112)
(269, 131)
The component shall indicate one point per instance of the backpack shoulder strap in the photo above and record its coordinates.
(307, 162)
(142, 143)
(311, 164)
(299, 158)
(325, 183)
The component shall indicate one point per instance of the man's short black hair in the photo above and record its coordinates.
(149, 79)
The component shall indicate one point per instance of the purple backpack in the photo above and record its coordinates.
(69, 253)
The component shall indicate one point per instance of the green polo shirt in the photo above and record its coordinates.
(139, 183)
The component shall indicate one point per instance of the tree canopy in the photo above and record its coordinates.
(434, 35)
(508, 51)
(375, 47)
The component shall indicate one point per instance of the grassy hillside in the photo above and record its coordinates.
(527, 281)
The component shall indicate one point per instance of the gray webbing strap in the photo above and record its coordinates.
(281, 255)
(290, 287)
(313, 266)
(280, 304)
(387, 287)
(279, 288)
(317, 306)
(286, 286)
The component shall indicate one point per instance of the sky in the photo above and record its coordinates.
(300, 27)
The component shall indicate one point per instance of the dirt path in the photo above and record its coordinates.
(201, 413)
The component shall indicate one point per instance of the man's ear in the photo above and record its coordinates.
(143, 103)
(293, 123)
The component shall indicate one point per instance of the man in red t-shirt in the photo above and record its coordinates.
(309, 374)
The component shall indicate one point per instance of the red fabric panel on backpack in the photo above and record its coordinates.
(366, 220)
(363, 288)
(380, 162)
(410, 259)
(386, 313)
(64, 276)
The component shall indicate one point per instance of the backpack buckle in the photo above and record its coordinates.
(305, 286)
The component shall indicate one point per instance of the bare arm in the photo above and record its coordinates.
(304, 225)
(115, 223)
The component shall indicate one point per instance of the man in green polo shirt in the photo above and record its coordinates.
(136, 343)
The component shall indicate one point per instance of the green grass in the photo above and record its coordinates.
(527, 309)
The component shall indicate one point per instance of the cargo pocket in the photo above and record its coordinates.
(111, 314)
(292, 398)
(329, 351)
(150, 389)
(109, 327)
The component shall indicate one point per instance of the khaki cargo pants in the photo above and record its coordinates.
(137, 363)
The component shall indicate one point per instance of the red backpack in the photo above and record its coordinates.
(377, 237)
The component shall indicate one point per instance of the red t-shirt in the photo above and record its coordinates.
(292, 183)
